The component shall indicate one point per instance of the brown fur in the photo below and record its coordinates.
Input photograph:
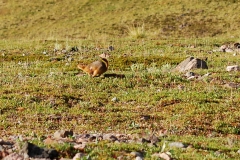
(95, 68)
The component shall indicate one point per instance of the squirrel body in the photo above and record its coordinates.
(95, 68)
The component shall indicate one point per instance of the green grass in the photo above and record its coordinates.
(80, 19)
(41, 91)
(42, 96)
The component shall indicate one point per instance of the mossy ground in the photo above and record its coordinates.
(40, 95)
(41, 90)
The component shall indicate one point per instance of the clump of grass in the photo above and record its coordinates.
(137, 32)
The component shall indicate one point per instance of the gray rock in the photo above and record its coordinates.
(232, 85)
(154, 139)
(14, 156)
(114, 99)
(217, 153)
(183, 63)
(177, 145)
(233, 68)
(110, 48)
(139, 158)
(136, 154)
(62, 134)
(223, 48)
(31, 150)
(238, 151)
(229, 50)
(196, 63)
(189, 74)
(145, 117)
(78, 156)
(109, 137)
(191, 63)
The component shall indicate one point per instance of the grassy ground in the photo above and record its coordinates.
(51, 19)
(41, 91)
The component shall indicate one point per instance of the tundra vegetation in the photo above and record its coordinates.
(42, 91)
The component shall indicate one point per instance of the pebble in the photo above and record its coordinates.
(165, 156)
(189, 74)
(145, 117)
(62, 134)
(232, 85)
(78, 156)
(217, 153)
(136, 154)
(114, 99)
(238, 151)
(177, 144)
(14, 156)
(109, 137)
(233, 68)
(139, 158)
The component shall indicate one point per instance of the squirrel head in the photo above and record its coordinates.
(104, 55)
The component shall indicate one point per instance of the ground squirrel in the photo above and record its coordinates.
(96, 68)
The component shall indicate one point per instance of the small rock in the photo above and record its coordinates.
(136, 154)
(80, 146)
(191, 63)
(145, 117)
(229, 50)
(217, 153)
(110, 48)
(33, 151)
(144, 140)
(49, 141)
(223, 48)
(177, 145)
(190, 78)
(165, 156)
(70, 59)
(109, 137)
(236, 45)
(115, 99)
(155, 155)
(232, 85)
(64, 51)
(189, 74)
(233, 68)
(139, 158)
(62, 134)
(13, 156)
(238, 151)
(78, 156)
(181, 87)
(204, 76)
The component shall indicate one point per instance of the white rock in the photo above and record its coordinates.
(177, 144)
(136, 154)
(139, 158)
(165, 156)
(189, 74)
(115, 99)
(223, 48)
(78, 156)
(229, 50)
(233, 68)
(238, 151)
(192, 77)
